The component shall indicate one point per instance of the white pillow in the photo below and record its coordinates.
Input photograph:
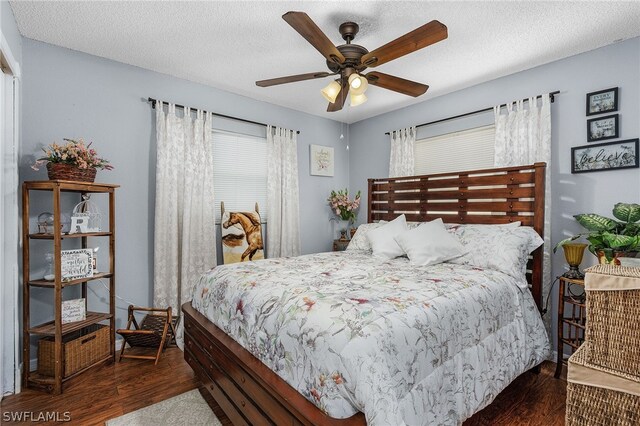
(383, 239)
(360, 241)
(429, 244)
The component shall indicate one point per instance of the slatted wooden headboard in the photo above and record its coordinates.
(490, 196)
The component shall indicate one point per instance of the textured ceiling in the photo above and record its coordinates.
(229, 45)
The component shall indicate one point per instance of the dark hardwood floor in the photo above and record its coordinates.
(532, 399)
(113, 390)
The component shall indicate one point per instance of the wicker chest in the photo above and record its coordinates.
(613, 309)
(604, 374)
(599, 397)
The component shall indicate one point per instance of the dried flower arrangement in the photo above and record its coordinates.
(74, 153)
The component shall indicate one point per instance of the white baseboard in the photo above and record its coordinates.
(17, 381)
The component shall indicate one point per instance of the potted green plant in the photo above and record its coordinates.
(610, 238)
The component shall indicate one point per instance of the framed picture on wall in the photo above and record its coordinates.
(605, 156)
(602, 101)
(602, 128)
(321, 160)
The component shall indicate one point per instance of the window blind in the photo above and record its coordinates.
(240, 172)
(464, 150)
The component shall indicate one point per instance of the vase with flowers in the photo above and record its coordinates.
(345, 210)
(72, 160)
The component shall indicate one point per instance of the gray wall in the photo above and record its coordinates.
(10, 30)
(72, 94)
(615, 65)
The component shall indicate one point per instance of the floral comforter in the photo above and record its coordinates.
(403, 344)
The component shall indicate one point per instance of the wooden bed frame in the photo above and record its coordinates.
(250, 393)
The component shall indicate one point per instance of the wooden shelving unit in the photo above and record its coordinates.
(63, 236)
(50, 328)
(55, 328)
(51, 284)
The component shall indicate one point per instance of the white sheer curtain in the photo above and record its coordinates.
(184, 237)
(402, 159)
(283, 228)
(523, 136)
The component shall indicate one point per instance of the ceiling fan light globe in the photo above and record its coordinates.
(358, 84)
(354, 81)
(331, 91)
(358, 99)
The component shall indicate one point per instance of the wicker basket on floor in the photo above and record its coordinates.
(595, 397)
(613, 309)
(80, 349)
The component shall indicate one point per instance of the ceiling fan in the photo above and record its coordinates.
(348, 61)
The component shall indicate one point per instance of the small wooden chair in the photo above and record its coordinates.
(151, 333)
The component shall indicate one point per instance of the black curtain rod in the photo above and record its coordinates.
(153, 105)
(551, 97)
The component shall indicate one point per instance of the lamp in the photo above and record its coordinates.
(573, 253)
(331, 91)
(358, 99)
(358, 84)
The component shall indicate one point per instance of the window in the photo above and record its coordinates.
(240, 172)
(465, 150)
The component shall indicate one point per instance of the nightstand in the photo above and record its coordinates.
(340, 245)
(571, 323)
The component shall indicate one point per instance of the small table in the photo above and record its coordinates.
(573, 322)
(340, 245)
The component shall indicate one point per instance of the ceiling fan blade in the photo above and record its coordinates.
(308, 29)
(417, 39)
(291, 79)
(396, 84)
(342, 97)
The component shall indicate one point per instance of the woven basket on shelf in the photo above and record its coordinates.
(80, 349)
(62, 171)
(613, 309)
(596, 397)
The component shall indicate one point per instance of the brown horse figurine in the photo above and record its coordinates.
(250, 223)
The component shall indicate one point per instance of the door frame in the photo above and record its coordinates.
(10, 112)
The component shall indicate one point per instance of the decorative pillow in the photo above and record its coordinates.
(383, 239)
(500, 248)
(535, 240)
(360, 241)
(429, 244)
